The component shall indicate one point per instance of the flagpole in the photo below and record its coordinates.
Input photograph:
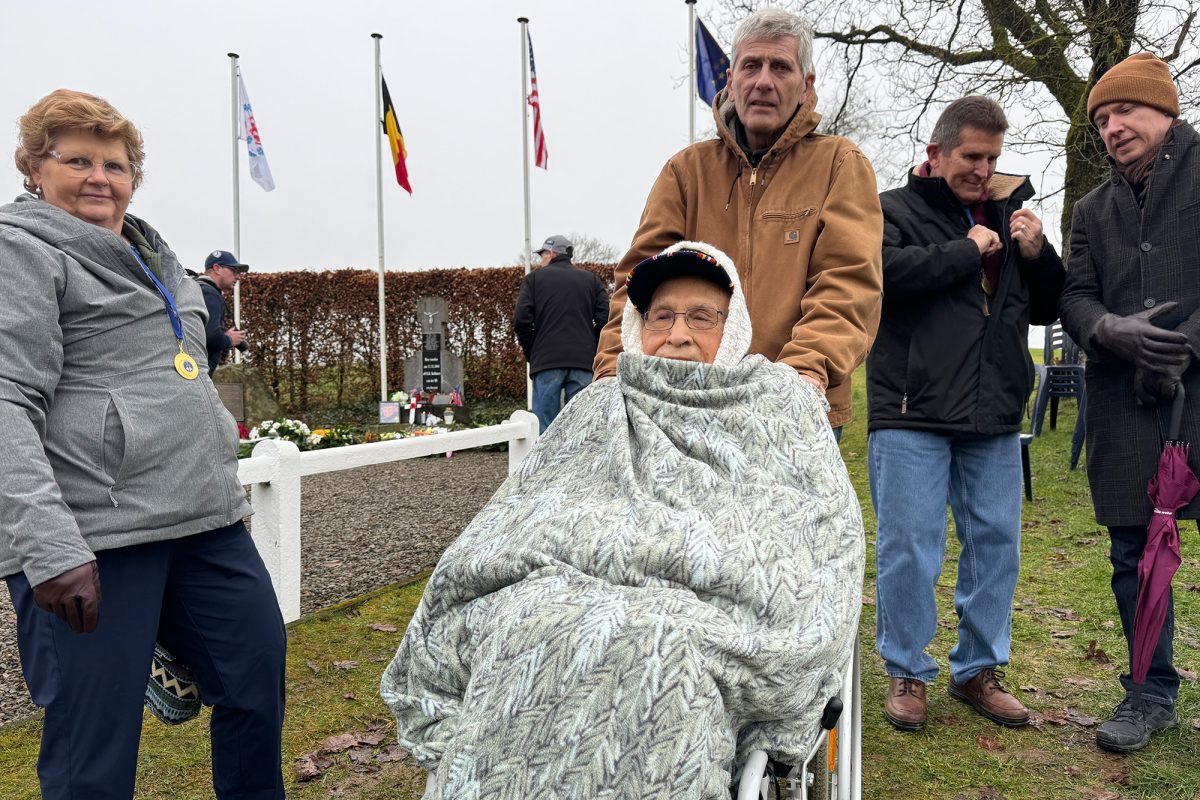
(237, 194)
(383, 393)
(524, 21)
(691, 4)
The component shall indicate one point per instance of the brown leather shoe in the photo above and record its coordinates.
(985, 694)
(905, 706)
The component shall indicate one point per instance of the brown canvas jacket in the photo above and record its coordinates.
(805, 231)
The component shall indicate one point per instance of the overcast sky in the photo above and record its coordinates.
(611, 77)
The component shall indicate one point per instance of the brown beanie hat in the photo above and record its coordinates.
(1143, 78)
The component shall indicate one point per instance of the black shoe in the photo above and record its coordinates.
(1132, 723)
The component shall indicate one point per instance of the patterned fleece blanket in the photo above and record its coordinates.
(672, 578)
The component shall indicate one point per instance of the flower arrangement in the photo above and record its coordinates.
(292, 430)
(336, 436)
(399, 397)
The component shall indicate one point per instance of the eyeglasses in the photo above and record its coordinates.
(700, 318)
(82, 166)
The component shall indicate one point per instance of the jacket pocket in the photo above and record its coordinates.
(112, 441)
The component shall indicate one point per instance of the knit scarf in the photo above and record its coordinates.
(1138, 173)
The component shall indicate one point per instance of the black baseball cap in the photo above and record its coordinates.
(225, 259)
(646, 277)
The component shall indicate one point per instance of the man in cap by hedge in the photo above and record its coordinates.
(1132, 300)
(559, 313)
(221, 271)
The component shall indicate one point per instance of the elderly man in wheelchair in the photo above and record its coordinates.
(669, 585)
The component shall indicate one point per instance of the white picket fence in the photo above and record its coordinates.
(275, 467)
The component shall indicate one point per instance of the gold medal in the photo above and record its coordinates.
(185, 365)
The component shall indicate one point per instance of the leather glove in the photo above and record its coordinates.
(1139, 341)
(74, 596)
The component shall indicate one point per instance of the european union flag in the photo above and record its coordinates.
(712, 65)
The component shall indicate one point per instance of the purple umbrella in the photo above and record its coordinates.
(1171, 488)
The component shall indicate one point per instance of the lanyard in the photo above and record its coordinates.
(970, 219)
(168, 300)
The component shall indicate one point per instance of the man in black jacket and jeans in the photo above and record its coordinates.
(559, 314)
(965, 270)
(221, 271)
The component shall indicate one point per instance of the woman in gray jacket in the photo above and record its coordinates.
(120, 506)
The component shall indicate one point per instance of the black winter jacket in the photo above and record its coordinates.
(214, 330)
(559, 314)
(943, 361)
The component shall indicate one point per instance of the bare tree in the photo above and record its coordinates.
(895, 63)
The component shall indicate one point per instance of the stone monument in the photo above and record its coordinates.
(245, 394)
(434, 370)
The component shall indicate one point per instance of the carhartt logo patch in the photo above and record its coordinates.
(791, 237)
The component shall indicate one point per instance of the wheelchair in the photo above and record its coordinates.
(833, 769)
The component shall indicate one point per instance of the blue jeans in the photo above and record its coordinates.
(547, 387)
(207, 598)
(1126, 544)
(913, 474)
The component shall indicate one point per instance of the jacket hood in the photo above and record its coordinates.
(803, 122)
(735, 341)
(76, 237)
(1001, 187)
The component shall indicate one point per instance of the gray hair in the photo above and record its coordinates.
(775, 23)
(973, 111)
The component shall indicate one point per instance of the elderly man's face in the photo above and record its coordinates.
(1131, 130)
(767, 86)
(681, 342)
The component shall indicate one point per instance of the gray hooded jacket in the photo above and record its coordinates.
(106, 445)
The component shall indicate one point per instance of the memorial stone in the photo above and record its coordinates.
(434, 370)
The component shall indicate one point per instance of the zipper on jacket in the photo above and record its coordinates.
(112, 498)
(753, 175)
(733, 186)
(904, 404)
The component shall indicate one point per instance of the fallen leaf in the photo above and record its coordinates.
(378, 725)
(1081, 683)
(1118, 774)
(312, 665)
(393, 752)
(1108, 624)
(1087, 542)
(345, 665)
(1074, 771)
(1030, 689)
(946, 720)
(867, 600)
(372, 738)
(1096, 654)
(1054, 716)
(339, 743)
(360, 755)
(383, 627)
(349, 696)
(305, 769)
(1079, 718)
(1193, 587)
(989, 743)
(1196, 724)
(1187, 674)
(365, 769)
(990, 793)
(1062, 634)
(1068, 614)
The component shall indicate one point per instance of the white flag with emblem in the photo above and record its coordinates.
(260, 170)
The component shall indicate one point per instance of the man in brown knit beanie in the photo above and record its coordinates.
(1132, 299)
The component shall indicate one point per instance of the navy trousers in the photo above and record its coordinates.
(208, 599)
(1126, 544)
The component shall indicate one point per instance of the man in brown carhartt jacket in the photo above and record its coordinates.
(797, 212)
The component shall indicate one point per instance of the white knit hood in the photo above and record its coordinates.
(735, 341)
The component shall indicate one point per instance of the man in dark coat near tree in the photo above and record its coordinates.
(1132, 300)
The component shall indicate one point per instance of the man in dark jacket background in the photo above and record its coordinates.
(1132, 301)
(559, 314)
(221, 271)
(965, 270)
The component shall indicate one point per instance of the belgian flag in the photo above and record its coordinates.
(395, 138)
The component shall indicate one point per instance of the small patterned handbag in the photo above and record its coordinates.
(171, 692)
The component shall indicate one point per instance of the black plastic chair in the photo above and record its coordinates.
(1060, 375)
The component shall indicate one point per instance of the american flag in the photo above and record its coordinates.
(539, 139)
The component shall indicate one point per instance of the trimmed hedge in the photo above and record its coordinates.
(315, 335)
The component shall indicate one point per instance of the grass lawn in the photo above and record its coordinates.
(1063, 603)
